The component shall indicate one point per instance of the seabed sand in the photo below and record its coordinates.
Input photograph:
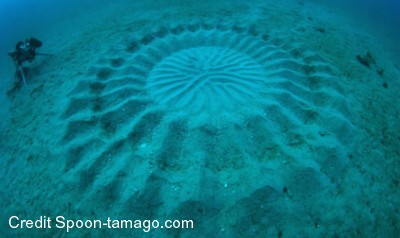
(317, 156)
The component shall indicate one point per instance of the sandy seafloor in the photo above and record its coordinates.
(311, 150)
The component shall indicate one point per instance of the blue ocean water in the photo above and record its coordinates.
(385, 13)
(243, 118)
(24, 18)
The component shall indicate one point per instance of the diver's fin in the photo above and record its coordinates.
(12, 54)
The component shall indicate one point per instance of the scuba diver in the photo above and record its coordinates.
(25, 52)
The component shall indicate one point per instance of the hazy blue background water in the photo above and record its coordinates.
(386, 13)
(22, 18)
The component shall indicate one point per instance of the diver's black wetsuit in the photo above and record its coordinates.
(25, 51)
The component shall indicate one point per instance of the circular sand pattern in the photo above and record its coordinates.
(132, 138)
(205, 79)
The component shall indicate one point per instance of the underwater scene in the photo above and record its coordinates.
(182, 118)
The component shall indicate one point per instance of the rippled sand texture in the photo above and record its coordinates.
(160, 94)
(247, 121)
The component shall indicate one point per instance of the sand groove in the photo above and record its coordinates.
(190, 78)
(192, 84)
